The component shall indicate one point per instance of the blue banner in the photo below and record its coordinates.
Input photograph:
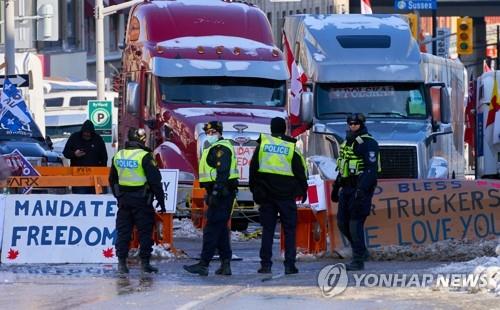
(415, 5)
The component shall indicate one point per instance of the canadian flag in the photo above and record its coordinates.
(297, 81)
(366, 7)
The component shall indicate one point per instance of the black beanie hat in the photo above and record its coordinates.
(278, 125)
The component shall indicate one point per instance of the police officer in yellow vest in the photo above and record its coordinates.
(358, 165)
(218, 174)
(134, 179)
(277, 177)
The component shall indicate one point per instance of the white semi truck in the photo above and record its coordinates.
(414, 102)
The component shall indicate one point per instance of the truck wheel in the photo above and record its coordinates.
(239, 224)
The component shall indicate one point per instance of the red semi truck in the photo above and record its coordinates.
(186, 62)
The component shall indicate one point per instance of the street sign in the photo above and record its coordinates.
(100, 113)
(20, 80)
(415, 5)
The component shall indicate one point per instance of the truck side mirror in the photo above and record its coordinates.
(132, 100)
(306, 107)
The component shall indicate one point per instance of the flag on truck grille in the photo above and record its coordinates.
(297, 80)
(494, 102)
(470, 115)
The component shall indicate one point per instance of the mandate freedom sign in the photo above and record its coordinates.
(59, 229)
(414, 212)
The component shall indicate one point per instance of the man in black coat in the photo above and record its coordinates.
(277, 176)
(86, 148)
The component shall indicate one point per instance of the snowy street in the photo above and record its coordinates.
(91, 286)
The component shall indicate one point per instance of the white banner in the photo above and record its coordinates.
(169, 180)
(59, 229)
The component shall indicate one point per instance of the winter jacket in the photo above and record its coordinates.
(95, 148)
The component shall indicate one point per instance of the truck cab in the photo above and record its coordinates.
(186, 63)
(371, 64)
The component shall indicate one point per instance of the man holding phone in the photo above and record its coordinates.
(86, 148)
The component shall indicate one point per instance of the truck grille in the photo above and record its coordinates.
(398, 162)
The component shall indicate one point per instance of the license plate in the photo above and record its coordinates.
(243, 157)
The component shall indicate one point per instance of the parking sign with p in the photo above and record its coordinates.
(100, 114)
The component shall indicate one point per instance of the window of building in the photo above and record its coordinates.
(270, 17)
(316, 10)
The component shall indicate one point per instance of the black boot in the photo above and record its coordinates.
(122, 266)
(146, 266)
(355, 265)
(291, 269)
(225, 268)
(200, 268)
(264, 269)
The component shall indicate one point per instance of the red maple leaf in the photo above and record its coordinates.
(12, 254)
(108, 253)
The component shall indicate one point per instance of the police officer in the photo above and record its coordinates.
(358, 165)
(277, 177)
(218, 174)
(134, 179)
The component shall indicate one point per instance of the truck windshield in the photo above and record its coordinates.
(223, 90)
(374, 100)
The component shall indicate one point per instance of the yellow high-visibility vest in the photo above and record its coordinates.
(207, 173)
(348, 162)
(275, 155)
(128, 164)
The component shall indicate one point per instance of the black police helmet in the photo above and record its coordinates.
(356, 117)
(137, 135)
(216, 125)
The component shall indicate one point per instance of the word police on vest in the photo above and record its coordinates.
(127, 163)
(277, 149)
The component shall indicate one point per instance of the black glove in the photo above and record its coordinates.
(335, 192)
(162, 208)
(304, 197)
(359, 199)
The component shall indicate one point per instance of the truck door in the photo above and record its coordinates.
(132, 112)
(151, 116)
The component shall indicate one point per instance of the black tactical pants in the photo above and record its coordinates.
(134, 210)
(351, 219)
(268, 211)
(216, 231)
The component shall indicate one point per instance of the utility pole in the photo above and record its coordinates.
(10, 38)
(434, 31)
(100, 13)
(498, 47)
(99, 51)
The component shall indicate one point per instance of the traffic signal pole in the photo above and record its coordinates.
(498, 47)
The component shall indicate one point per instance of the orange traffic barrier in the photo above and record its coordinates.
(163, 231)
(198, 206)
(310, 233)
(62, 177)
(330, 216)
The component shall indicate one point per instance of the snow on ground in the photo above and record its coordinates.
(483, 265)
(183, 228)
(446, 250)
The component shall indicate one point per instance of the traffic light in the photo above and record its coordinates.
(413, 22)
(464, 36)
